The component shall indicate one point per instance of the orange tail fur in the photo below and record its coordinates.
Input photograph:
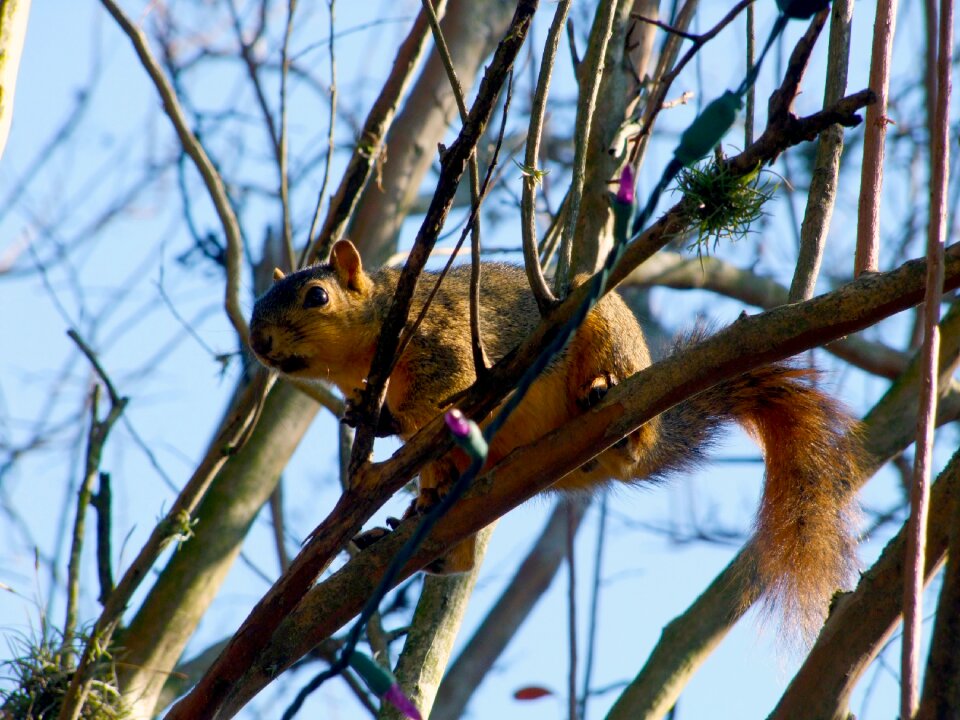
(804, 539)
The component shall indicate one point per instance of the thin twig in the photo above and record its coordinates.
(867, 258)
(211, 178)
(594, 604)
(572, 704)
(531, 174)
(666, 26)
(930, 353)
(476, 342)
(76, 541)
(410, 332)
(370, 142)
(655, 103)
(96, 438)
(590, 72)
(452, 165)
(331, 127)
(283, 155)
(277, 135)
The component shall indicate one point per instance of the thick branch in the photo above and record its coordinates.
(429, 642)
(377, 482)
(358, 501)
(531, 580)
(673, 270)
(688, 639)
(748, 343)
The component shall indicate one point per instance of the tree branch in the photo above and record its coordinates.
(211, 178)
(888, 429)
(673, 270)
(374, 483)
(530, 581)
(748, 343)
(359, 500)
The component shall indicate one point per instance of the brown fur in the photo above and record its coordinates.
(810, 446)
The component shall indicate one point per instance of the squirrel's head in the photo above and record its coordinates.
(316, 322)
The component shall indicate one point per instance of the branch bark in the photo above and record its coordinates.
(888, 429)
(429, 643)
(867, 257)
(823, 183)
(531, 580)
(673, 270)
(357, 502)
(748, 343)
(182, 594)
(211, 178)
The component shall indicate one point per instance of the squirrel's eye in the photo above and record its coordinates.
(315, 297)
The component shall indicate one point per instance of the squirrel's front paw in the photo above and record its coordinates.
(425, 501)
(352, 417)
(369, 537)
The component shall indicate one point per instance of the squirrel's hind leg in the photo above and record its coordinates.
(435, 481)
(628, 459)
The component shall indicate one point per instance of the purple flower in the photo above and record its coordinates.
(394, 695)
(457, 423)
(625, 191)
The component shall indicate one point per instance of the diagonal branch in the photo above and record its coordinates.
(748, 343)
(373, 484)
(673, 270)
(453, 162)
(193, 147)
(358, 500)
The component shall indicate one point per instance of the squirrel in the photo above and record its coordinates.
(323, 323)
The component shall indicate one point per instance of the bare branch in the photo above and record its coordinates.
(193, 147)
(871, 179)
(930, 352)
(370, 143)
(531, 174)
(749, 343)
(823, 183)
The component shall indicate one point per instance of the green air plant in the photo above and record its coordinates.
(720, 204)
(41, 675)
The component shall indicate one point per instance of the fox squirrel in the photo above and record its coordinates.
(323, 322)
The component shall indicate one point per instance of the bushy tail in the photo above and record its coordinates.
(804, 531)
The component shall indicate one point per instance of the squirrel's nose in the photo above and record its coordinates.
(261, 341)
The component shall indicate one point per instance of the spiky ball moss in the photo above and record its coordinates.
(41, 678)
(721, 204)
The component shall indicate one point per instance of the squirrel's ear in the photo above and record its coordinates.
(346, 261)
(278, 275)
